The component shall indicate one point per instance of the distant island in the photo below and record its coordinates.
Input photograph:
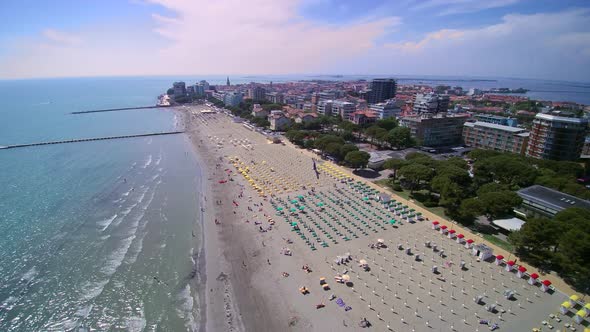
(507, 90)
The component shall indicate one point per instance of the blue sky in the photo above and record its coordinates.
(517, 38)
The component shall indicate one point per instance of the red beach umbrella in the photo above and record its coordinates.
(444, 227)
(460, 236)
(452, 231)
(546, 283)
(522, 268)
(511, 263)
(470, 241)
(435, 222)
(500, 257)
(534, 276)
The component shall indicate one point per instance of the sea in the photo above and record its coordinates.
(105, 235)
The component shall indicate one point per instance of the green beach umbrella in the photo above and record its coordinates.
(302, 208)
(279, 209)
(293, 223)
(300, 196)
(320, 204)
(365, 198)
(293, 209)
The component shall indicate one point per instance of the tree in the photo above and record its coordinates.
(491, 187)
(395, 165)
(536, 240)
(415, 173)
(507, 169)
(357, 159)
(346, 148)
(500, 203)
(400, 137)
(469, 209)
(333, 149)
(322, 142)
(170, 92)
(387, 124)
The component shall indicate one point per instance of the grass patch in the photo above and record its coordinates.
(499, 242)
(405, 194)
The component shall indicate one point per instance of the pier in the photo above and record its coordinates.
(121, 109)
(78, 140)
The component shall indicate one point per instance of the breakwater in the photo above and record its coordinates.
(79, 140)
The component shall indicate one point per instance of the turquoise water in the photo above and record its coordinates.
(98, 235)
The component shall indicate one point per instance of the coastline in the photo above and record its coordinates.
(248, 284)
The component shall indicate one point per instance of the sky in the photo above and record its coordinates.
(545, 39)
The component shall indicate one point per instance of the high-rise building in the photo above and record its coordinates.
(275, 97)
(380, 89)
(491, 136)
(205, 85)
(257, 93)
(557, 137)
(435, 130)
(179, 89)
(233, 98)
(431, 103)
(325, 107)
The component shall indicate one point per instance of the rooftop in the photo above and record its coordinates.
(560, 118)
(552, 198)
(494, 126)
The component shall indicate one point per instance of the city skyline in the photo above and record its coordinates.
(510, 38)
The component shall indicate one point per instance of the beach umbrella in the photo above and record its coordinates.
(346, 277)
(363, 262)
(279, 209)
(320, 204)
(365, 198)
(294, 201)
(302, 208)
(300, 196)
(293, 223)
(380, 241)
(293, 209)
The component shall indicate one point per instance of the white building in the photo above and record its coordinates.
(343, 108)
(325, 107)
(233, 98)
(278, 120)
(388, 109)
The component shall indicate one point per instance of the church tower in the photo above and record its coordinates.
(227, 83)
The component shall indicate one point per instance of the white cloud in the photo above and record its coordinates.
(555, 45)
(60, 37)
(201, 37)
(448, 7)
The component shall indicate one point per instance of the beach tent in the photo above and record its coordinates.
(533, 278)
(443, 229)
(587, 308)
(579, 317)
(574, 299)
(452, 234)
(545, 285)
(510, 266)
(460, 238)
(565, 307)
(499, 259)
(482, 251)
(469, 244)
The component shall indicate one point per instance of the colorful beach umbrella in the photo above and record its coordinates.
(279, 209)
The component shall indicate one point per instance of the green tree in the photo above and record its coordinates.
(415, 174)
(346, 148)
(500, 203)
(357, 159)
(322, 142)
(491, 187)
(333, 149)
(387, 124)
(468, 210)
(395, 165)
(537, 240)
(400, 137)
(170, 92)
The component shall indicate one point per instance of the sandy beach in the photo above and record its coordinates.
(267, 215)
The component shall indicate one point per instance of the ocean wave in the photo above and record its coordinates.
(159, 159)
(92, 289)
(104, 224)
(136, 323)
(184, 310)
(9, 303)
(148, 161)
(30, 275)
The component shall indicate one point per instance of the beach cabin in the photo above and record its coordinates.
(579, 317)
(574, 299)
(435, 225)
(520, 272)
(469, 244)
(452, 233)
(533, 278)
(545, 285)
(565, 307)
(460, 238)
(509, 266)
(499, 260)
(443, 230)
(482, 251)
